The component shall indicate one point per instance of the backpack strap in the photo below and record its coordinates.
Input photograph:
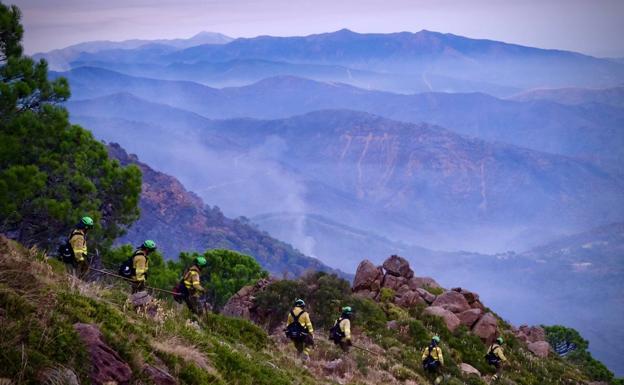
(296, 317)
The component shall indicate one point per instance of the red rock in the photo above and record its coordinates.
(106, 364)
(540, 348)
(450, 319)
(453, 301)
(393, 282)
(486, 328)
(533, 333)
(423, 282)
(427, 296)
(469, 295)
(469, 317)
(409, 299)
(469, 369)
(403, 289)
(159, 376)
(365, 276)
(398, 266)
(477, 305)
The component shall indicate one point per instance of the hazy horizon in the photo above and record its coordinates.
(587, 27)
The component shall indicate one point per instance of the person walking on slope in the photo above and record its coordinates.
(75, 253)
(193, 286)
(340, 333)
(432, 360)
(140, 265)
(299, 329)
(496, 358)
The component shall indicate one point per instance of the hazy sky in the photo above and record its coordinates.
(595, 27)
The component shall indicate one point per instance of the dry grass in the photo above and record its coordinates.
(187, 352)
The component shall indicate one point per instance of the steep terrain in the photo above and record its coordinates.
(180, 221)
(58, 329)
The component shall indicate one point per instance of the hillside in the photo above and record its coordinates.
(588, 129)
(89, 333)
(610, 96)
(179, 221)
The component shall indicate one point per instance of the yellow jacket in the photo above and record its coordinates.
(345, 327)
(436, 354)
(304, 320)
(192, 281)
(78, 242)
(140, 265)
(498, 351)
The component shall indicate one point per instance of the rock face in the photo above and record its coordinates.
(423, 282)
(450, 319)
(409, 298)
(486, 328)
(398, 266)
(159, 376)
(241, 304)
(532, 333)
(366, 275)
(453, 301)
(469, 295)
(106, 365)
(470, 316)
(428, 297)
(539, 348)
(469, 369)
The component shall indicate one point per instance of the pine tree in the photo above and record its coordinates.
(52, 172)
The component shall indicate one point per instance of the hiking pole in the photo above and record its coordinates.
(129, 280)
(366, 350)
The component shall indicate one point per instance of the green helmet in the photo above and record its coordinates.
(500, 340)
(87, 222)
(149, 245)
(299, 302)
(201, 261)
(436, 339)
(347, 310)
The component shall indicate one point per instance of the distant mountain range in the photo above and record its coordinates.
(400, 62)
(613, 96)
(588, 129)
(180, 221)
(401, 180)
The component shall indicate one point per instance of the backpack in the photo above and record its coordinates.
(65, 250)
(180, 292)
(430, 363)
(295, 331)
(127, 269)
(492, 358)
(335, 334)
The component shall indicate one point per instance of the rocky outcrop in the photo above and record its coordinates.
(427, 296)
(539, 348)
(470, 296)
(469, 369)
(367, 277)
(453, 301)
(158, 376)
(409, 299)
(106, 365)
(531, 333)
(423, 282)
(486, 328)
(469, 317)
(242, 304)
(398, 266)
(450, 319)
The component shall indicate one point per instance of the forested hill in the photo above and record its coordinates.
(178, 220)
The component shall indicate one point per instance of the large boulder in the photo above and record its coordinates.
(539, 348)
(486, 328)
(533, 333)
(393, 282)
(241, 304)
(106, 364)
(453, 301)
(423, 282)
(477, 305)
(159, 376)
(469, 317)
(468, 369)
(427, 296)
(469, 295)
(450, 319)
(398, 266)
(366, 275)
(409, 299)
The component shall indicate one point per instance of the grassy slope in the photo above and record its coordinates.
(39, 303)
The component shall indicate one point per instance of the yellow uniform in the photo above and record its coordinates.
(140, 265)
(192, 283)
(345, 328)
(436, 354)
(78, 242)
(498, 352)
(303, 347)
